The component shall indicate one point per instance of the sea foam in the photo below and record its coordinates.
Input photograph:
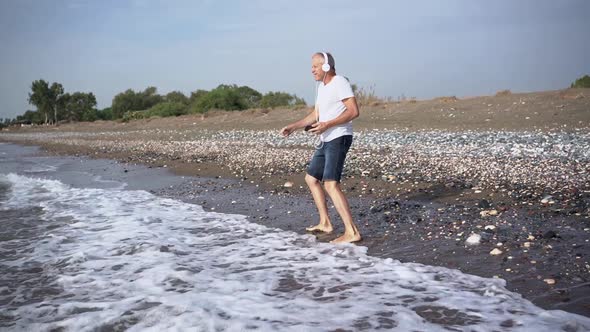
(130, 259)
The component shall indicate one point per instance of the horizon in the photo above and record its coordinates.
(453, 49)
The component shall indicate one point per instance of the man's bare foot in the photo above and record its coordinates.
(347, 238)
(320, 228)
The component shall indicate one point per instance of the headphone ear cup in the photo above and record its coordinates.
(326, 67)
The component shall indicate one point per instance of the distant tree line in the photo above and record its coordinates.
(54, 105)
(582, 82)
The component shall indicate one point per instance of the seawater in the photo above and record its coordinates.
(101, 257)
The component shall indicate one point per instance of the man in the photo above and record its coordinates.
(331, 119)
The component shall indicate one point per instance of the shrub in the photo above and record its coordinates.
(169, 108)
(367, 96)
(582, 82)
(503, 93)
(224, 97)
(279, 99)
(132, 115)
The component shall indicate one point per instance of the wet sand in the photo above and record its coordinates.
(407, 217)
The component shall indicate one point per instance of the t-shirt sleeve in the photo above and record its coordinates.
(344, 89)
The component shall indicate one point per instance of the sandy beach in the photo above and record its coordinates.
(509, 172)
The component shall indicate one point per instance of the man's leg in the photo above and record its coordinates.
(320, 201)
(351, 232)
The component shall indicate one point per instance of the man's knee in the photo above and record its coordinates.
(310, 180)
(331, 186)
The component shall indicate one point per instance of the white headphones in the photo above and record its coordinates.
(326, 66)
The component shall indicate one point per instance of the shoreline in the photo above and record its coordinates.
(421, 178)
(422, 227)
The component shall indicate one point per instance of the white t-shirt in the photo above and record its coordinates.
(330, 106)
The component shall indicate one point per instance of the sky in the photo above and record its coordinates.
(421, 48)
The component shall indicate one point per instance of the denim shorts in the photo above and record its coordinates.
(328, 161)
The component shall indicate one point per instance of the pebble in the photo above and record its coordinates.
(473, 239)
(549, 281)
(496, 251)
(487, 213)
(548, 200)
(288, 184)
(535, 160)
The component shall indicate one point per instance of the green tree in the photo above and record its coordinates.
(123, 102)
(251, 97)
(55, 92)
(278, 99)
(105, 114)
(177, 97)
(582, 82)
(30, 117)
(61, 106)
(196, 95)
(45, 98)
(149, 97)
(81, 107)
(40, 97)
(168, 108)
(135, 101)
(224, 97)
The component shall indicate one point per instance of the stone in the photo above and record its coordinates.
(473, 239)
(487, 213)
(484, 204)
(546, 199)
(496, 252)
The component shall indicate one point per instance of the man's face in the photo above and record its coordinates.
(316, 67)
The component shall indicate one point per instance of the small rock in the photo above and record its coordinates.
(473, 239)
(487, 213)
(490, 227)
(549, 281)
(288, 184)
(496, 252)
(549, 235)
(527, 244)
(484, 204)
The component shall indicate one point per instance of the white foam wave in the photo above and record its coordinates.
(41, 168)
(134, 260)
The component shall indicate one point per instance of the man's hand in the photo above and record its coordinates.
(286, 131)
(318, 128)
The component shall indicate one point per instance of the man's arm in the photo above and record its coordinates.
(306, 121)
(350, 113)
